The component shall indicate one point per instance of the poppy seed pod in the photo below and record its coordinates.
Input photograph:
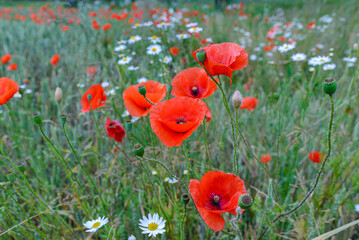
(58, 94)
(237, 99)
(185, 198)
(201, 56)
(245, 201)
(138, 150)
(142, 90)
(128, 126)
(37, 119)
(63, 119)
(329, 86)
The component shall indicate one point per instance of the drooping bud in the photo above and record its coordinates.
(329, 86)
(237, 99)
(128, 126)
(142, 90)
(201, 56)
(245, 201)
(37, 119)
(139, 150)
(58, 94)
(269, 202)
(185, 198)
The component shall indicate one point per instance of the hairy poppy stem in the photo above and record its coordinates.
(162, 165)
(148, 100)
(320, 173)
(204, 163)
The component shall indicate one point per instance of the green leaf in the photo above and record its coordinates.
(335, 231)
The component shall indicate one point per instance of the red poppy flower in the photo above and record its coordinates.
(55, 59)
(224, 58)
(64, 28)
(136, 104)
(106, 26)
(217, 193)
(193, 82)
(5, 59)
(12, 67)
(249, 103)
(174, 51)
(266, 158)
(316, 157)
(8, 88)
(97, 99)
(115, 130)
(208, 114)
(174, 120)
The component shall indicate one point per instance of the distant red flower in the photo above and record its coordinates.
(208, 114)
(95, 25)
(106, 26)
(266, 158)
(311, 26)
(115, 130)
(65, 28)
(193, 82)
(183, 60)
(224, 58)
(8, 88)
(216, 193)
(12, 67)
(174, 120)
(5, 59)
(97, 99)
(174, 51)
(92, 71)
(249, 103)
(316, 157)
(92, 14)
(55, 59)
(136, 104)
(267, 48)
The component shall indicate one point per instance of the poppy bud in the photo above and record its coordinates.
(89, 97)
(138, 150)
(37, 119)
(329, 86)
(237, 99)
(201, 55)
(276, 96)
(63, 118)
(128, 126)
(21, 168)
(11, 177)
(58, 94)
(355, 46)
(245, 201)
(142, 90)
(185, 198)
(269, 202)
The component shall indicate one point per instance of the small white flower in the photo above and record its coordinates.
(154, 39)
(329, 66)
(131, 237)
(125, 114)
(166, 59)
(132, 68)
(356, 207)
(350, 59)
(17, 95)
(314, 61)
(185, 172)
(182, 36)
(81, 85)
(23, 86)
(134, 119)
(142, 79)
(189, 25)
(121, 42)
(167, 179)
(147, 24)
(152, 225)
(1, 111)
(195, 29)
(124, 60)
(286, 47)
(105, 84)
(154, 172)
(253, 57)
(136, 25)
(94, 225)
(120, 48)
(28, 91)
(172, 180)
(111, 92)
(311, 69)
(298, 57)
(134, 39)
(154, 49)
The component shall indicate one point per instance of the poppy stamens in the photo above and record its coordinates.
(215, 200)
(180, 120)
(194, 91)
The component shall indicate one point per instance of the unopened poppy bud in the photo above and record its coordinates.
(329, 86)
(276, 96)
(58, 94)
(128, 126)
(237, 99)
(355, 46)
(37, 119)
(142, 90)
(185, 198)
(89, 97)
(11, 177)
(21, 168)
(245, 201)
(201, 56)
(139, 150)
(269, 202)
(63, 119)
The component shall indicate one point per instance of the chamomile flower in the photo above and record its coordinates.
(120, 48)
(298, 57)
(182, 36)
(154, 39)
(189, 25)
(121, 42)
(152, 225)
(286, 47)
(166, 59)
(142, 79)
(195, 29)
(17, 95)
(171, 180)
(134, 39)
(132, 68)
(1, 111)
(131, 237)
(314, 61)
(154, 49)
(136, 25)
(253, 57)
(124, 60)
(105, 84)
(94, 225)
(356, 207)
(329, 66)
(125, 114)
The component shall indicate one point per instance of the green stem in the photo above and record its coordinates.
(183, 220)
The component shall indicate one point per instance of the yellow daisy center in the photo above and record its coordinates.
(137, 24)
(96, 225)
(154, 37)
(165, 59)
(152, 226)
(182, 35)
(153, 49)
(125, 59)
(132, 37)
(194, 28)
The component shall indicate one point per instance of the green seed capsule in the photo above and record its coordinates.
(245, 201)
(128, 126)
(37, 119)
(185, 198)
(142, 90)
(139, 150)
(329, 86)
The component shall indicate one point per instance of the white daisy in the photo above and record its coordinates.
(314, 61)
(131, 237)
(120, 48)
(147, 24)
(121, 42)
(350, 59)
(163, 25)
(111, 92)
(124, 60)
(154, 49)
(152, 225)
(23, 86)
(136, 25)
(142, 79)
(125, 114)
(105, 84)
(253, 57)
(81, 85)
(189, 25)
(329, 66)
(94, 225)
(166, 59)
(286, 47)
(195, 29)
(154, 39)
(356, 207)
(28, 91)
(171, 180)
(154, 172)
(298, 57)
(134, 39)
(182, 36)
(17, 95)
(132, 68)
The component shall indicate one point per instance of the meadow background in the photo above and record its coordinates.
(40, 198)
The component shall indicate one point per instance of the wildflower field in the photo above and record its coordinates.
(179, 120)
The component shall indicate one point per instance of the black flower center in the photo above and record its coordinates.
(180, 120)
(215, 200)
(194, 91)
